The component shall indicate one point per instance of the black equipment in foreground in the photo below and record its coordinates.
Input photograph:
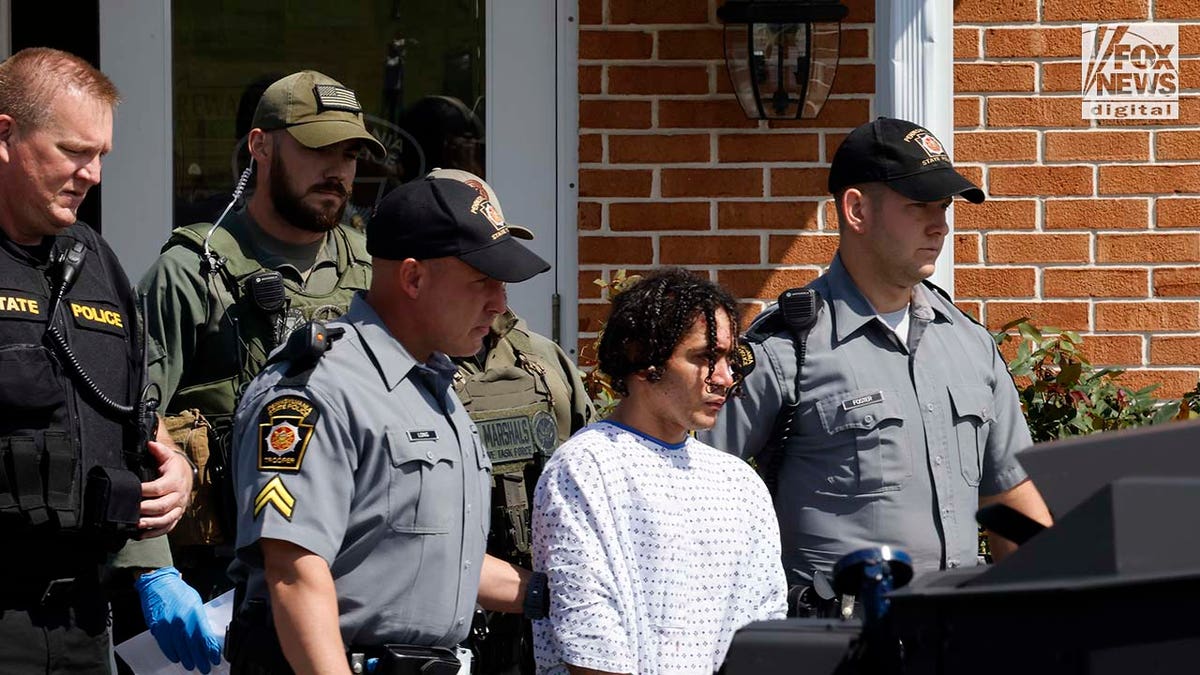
(1112, 588)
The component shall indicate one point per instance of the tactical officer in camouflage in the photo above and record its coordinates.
(526, 397)
(221, 297)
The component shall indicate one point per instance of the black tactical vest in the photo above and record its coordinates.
(240, 336)
(56, 438)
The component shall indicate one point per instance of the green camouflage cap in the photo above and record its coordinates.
(316, 110)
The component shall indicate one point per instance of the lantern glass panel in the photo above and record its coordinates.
(826, 38)
(737, 60)
(782, 70)
(778, 51)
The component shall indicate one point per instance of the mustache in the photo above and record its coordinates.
(334, 186)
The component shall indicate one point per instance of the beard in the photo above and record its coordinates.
(290, 204)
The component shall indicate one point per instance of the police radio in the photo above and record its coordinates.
(112, 495)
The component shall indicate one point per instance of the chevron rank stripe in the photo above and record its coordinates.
(333, 97)
(275, 494)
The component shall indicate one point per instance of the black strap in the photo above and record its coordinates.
(799, 309)
(60, 477)
(27, 473)
(7, 503)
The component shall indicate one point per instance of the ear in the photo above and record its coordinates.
(411, 277)
(853, 208)
(8, 129)
(260, 146)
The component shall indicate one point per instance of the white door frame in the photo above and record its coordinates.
(5, 29)
(532, 149)
(135, 52)
(532, 136)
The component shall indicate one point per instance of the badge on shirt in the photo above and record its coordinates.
(285, 426)
(422, 435)
(276, 495)
(861, 401)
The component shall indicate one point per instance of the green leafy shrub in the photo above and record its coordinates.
(1063, 395)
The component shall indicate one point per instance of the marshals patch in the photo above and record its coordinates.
(285, 426)
(275, 494)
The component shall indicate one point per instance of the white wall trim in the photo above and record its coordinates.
(135, 52)
(527, 159)
(5, 29)
(567, 187)
(914, 80)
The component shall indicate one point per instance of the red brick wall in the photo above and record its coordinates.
(672, 173)
(1092, 227)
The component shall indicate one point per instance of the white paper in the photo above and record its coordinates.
(143, 656)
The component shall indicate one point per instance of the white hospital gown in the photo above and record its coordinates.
(656, 554)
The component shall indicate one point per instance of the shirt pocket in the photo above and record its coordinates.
(424, 486)
(864, 446)
(973, 415)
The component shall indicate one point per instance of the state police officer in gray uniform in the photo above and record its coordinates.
(362, 485)
(904, 418)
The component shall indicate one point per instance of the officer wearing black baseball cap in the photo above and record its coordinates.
(902, 155)
(354, 458)
(891, 399)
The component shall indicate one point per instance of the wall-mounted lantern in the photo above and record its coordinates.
(782, 55)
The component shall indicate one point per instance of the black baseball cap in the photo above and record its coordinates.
(441, 217)
(904, 156)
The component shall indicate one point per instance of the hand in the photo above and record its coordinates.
(177, 620)
(165, 498)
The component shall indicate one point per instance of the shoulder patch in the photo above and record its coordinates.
(744, 358)
(275, 494)
(285, 426)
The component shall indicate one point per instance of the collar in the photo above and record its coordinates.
(503, 323)
(647, 437)
(277, 254)
(928, 305)
(392, 361)
(852, 310)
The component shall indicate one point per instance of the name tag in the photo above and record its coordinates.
(861, 401)
(423, 435)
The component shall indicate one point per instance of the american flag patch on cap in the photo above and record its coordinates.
(333, 97)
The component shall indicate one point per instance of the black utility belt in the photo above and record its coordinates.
(404, 660)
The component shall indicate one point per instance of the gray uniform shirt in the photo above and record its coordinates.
(370, 462)
(893, 443)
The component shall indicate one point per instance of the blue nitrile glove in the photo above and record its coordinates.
(177, 620)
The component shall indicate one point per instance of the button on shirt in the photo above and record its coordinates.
(892, 443)
(389, 491)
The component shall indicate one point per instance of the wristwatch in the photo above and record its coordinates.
(537, 597)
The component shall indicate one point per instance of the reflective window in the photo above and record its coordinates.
(416, 65)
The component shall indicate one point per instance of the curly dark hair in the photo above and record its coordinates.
(649, 319)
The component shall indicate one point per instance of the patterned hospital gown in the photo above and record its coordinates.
(656, 554)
